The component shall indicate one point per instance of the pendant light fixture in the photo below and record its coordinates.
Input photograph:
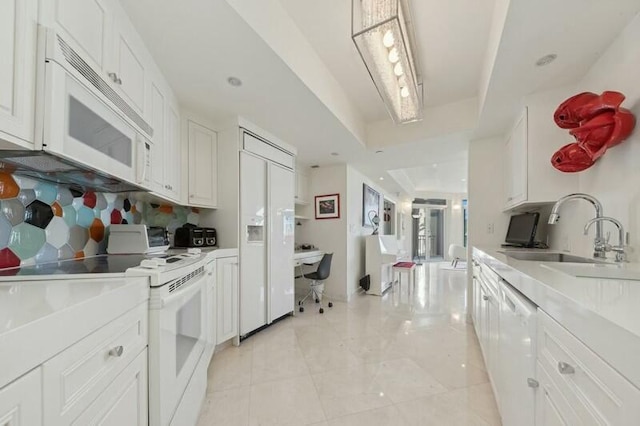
(379, 31)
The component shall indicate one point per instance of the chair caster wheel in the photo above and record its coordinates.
(301, 309)
(330, 305)
(299, 302)
(321, 311)
(317, 300)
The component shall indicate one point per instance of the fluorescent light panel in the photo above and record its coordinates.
(380, 35)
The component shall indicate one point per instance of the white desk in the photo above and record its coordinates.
(307, 256)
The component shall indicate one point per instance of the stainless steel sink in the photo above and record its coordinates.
(549, 257)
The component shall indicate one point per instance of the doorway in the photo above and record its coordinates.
(428, 232)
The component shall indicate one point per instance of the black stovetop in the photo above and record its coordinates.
(102, 264)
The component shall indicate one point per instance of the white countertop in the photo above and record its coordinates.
(41, 317)
(603, 313)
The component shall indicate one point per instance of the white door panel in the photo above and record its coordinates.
(86, 24)
(253, 242)
(18, 67)
(158, 154)
(281, 241)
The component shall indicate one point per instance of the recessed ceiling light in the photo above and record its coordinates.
(234, 81)
(381, 178)
(546, 59)
(434, 165)
(379, 151)
(335, 154)
(464, 180)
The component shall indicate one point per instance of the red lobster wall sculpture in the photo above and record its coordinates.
(596, 122)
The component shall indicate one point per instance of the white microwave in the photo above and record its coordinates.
(86, 134)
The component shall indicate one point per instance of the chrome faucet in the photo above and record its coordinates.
(599, 244)
(621, 256)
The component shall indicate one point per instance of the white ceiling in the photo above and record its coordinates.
(451, 41)
(305, 82)
(447, 176)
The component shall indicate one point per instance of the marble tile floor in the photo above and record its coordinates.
(401, 359)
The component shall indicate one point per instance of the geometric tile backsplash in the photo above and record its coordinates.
(44, 222)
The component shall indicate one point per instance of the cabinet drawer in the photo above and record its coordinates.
(551, 406)
(597, 393)
(124, 402)
(21, 401)
(76, 376)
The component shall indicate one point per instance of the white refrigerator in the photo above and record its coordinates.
(266, 241)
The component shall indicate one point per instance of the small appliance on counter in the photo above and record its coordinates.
(195, 236)
(210, 237)
(137, 239)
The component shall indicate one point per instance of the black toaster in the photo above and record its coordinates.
(189, 236)
(210, 237)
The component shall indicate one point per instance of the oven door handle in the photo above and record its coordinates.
(187, 292)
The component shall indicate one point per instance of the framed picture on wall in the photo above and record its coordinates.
(370, 203)
(328, 206)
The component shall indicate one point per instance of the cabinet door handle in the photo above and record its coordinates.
(114, 77)
(485, 297)
(565, 368)
(116, 352)
(532, 383)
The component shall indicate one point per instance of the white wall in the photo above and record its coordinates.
(615, 178)
(487, 223)
(328, 234)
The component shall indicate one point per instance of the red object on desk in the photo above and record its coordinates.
(404, 265)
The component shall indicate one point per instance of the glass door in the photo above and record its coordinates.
(428, 233)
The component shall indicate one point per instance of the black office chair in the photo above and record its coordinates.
(316, 281)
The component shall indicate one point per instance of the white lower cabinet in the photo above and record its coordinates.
(227, 298)
(21, 401)
(212, 307)
(124, 402)
(76, 376)
(597, 393)
(552, 409)
(575, 386)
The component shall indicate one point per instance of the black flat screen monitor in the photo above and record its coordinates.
(522, 229)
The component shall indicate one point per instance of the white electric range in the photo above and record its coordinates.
(179, 317)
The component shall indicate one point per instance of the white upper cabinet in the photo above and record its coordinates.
(18, 26)
(128, 63)
(100, 31)
(85, 24)
(172, 162)
(157, 118)
(530, 179)
(516, 163)
(302, 188)
(203, 170)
